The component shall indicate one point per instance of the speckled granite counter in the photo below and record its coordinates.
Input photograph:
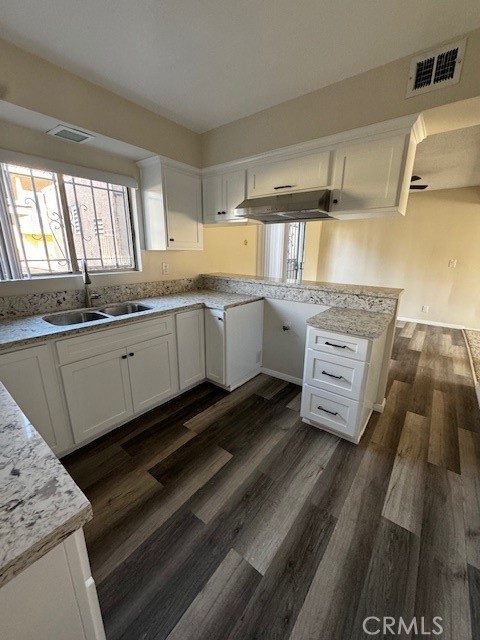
(348, 296)
(364, 324)
(26, 330)
(40, 505)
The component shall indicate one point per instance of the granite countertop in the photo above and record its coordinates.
(40, 505)
(355, 322)
(334, 287)
(26, 330)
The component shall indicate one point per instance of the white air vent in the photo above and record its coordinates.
(72, 135)
(436, 69)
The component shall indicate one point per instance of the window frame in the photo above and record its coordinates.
(11, 269)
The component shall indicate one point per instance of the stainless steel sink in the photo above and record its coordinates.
(123, 309)
(74, 317)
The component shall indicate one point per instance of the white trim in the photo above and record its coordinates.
(36, 162)
(435, 324)
(163, 160)
(470, 358)
(414, 122)
(379, 407)
(282, 376)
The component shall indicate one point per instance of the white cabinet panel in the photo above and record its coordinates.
(215, 345)
(335, 412)
(191, 347)
(339, 344)
(29, 376)
(369, 175)
(298, 173)
(153, 371)
(212, 193)
(184, 209)
(98, 393)
(333, 373)
(221, 194)
(244, 340)
(234, 192)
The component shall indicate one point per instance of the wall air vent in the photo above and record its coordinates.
(436, 69)
(72, 135)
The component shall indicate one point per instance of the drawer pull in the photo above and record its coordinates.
(331, 375)
(337, 346)
(332, 413)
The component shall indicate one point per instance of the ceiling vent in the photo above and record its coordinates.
(436, 69)
(72, 135)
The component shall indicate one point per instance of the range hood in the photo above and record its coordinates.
(287, 207)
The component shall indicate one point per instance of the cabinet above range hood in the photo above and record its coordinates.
(287, 207)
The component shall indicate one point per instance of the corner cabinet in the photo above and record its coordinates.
(221, 194)
(233, 344)
(172, 205)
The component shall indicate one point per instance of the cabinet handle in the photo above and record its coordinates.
(171, 239)
(333, 413)
(337, 346)
(224, 213)
(131, 354)
(284, 186)
(219, 213)
(221, 319)
(124, 357)
(332, 375)
(335, 201)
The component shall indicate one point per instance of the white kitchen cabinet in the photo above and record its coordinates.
(98, 393)
(152, 366)
(340, 381)
(55, 598)
(221, 194)
(233, 343)
(301, 172)
(190, 327)
(29, 376)
(172, 202)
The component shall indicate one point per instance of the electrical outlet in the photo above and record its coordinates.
(452, 263)
(425, 308)
(165, 268)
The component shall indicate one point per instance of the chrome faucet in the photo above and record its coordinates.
(89, 296)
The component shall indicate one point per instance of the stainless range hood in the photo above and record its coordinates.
(287, 207)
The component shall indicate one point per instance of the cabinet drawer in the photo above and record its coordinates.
(111, 338)
(332, 373)
(331, 410)
(339, 344)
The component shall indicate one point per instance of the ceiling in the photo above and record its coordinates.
(204, 64)
(449, 160)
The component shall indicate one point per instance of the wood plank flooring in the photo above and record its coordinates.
(223, 517)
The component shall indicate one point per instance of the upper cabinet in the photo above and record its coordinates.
(222, 192)
(299, 172)
(372, 176)
(172, 204)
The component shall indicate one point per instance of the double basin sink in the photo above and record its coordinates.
(83, 316)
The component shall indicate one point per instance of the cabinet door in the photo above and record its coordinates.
(191, 347)
(153, 371)
(98, 393)
(309, 171)
(215, 345)
(234, 193)
(212, 193)
(369, 175)
(183, 208)
(29, 376)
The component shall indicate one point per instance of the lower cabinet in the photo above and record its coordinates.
(55, 598)
(190, 327)
(233, 344)
(29, 376)
(106, 390)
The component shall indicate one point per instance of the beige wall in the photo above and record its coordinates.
(412, 252)
(33, 83)
(370, 97)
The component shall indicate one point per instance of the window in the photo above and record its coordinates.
(284, 250)
(50, 221)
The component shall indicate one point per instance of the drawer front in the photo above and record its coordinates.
(339, 344)
(331, 410)
(332, 373)
(111, 338)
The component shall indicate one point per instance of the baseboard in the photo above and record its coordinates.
(379, 407)
(435, 324)
(470, 359)
(282, 376)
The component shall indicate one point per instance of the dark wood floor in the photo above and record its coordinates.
(222, 516)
